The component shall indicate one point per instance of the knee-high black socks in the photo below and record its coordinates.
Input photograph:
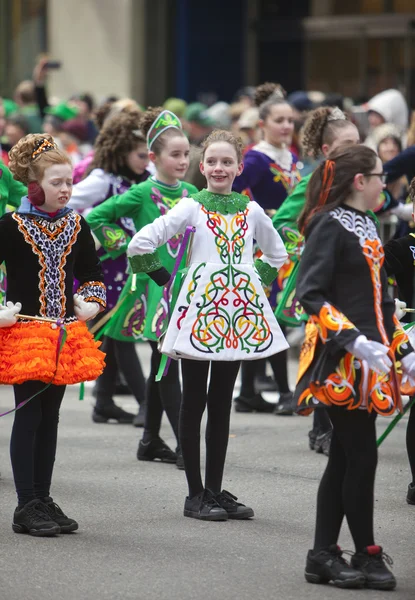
(162, 395)
(346, 488)
(218, 398)
(33, 439)
(120, 356)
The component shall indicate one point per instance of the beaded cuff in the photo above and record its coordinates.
(145, 263)
(266, 272)
(93, 291)
(225, 204)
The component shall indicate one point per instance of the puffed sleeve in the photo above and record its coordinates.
(274, 253)
(87, 268)
(142, 250)
(323, 250)
(89, 191)
(252, 173)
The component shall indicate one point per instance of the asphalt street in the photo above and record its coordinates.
(134, 543)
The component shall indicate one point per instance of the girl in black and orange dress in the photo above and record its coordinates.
(352, 359)
(45, 245)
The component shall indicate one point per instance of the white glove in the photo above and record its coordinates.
(8, 314)
(374, 353)
(85, 310)
(399, 306)
(408, 368)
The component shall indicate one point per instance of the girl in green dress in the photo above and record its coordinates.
(143, 310)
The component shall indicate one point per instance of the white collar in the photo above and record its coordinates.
(282, 156)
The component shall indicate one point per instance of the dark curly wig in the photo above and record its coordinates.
(266, 95)
(119, 136)
(319, 129)
(110, 109)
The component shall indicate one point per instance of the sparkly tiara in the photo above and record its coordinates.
(336, 115)
(42, 145)
(165, 120)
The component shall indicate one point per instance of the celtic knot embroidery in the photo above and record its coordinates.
(52, 242)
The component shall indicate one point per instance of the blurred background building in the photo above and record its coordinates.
(152, 49)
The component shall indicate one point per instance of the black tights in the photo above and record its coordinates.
(410, 441)
(120, 356)
(33, 439)
(218, 398)
(162, 395)
(347, 486)
(250, 369)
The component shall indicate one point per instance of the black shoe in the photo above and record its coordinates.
(322, 443)
(235, 509)
(284, 406)
(371, 563)
(56, 514)
(33, 518)
(204, 507)
(329, 565)
(112, 412)
(156, 450)
(410, 496)
(256, 403)
(312, 436)
(265, 383)
(140, 417)
(179, 461)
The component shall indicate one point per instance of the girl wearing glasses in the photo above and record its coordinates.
(348, 363)
(120, 160)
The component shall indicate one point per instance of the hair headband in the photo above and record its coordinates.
(43, 145)
(165, 120)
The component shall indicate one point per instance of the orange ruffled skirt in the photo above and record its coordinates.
(28, 353)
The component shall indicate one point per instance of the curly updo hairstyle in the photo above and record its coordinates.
(222, 135)
(120, 135)
(146, 122)
(25, 168)
(267, 95)
(108, 110)
(321, 127)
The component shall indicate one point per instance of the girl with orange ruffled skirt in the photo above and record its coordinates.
(44, 340)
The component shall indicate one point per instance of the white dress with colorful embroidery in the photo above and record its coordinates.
(221, 312)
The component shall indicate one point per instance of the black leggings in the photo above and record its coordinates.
(163, 395)
(321, 421)
(250, 369)
(218, 398)
(410, 441)
(120, 356)
(347, 486)
(33, 439)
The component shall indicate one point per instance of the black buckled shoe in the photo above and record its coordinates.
(33, 518)
(410, 496)
(156, 449)
(204, 507)
(322, 443)
(66, 524)
(256, 403)
(329, 565)
(371, 563)
(112, 412)
(284, 405)
(235, 509)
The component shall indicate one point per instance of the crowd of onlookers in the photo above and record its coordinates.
(384, 122)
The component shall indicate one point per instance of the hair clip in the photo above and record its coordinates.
(336, 115)
(43, 145)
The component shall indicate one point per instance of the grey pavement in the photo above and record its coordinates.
(134, 543)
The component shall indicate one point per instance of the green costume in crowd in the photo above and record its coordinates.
(142, 312)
